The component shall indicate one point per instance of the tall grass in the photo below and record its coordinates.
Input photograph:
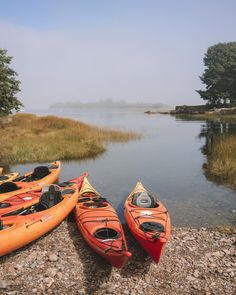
(222, 160)
(30, 138)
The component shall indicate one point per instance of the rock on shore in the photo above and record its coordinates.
(195, 262)
(202, 109)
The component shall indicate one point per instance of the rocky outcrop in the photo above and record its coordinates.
(150, 112)
(190, 110)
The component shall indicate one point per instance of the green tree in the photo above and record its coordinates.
(220, 75)
(9, 85)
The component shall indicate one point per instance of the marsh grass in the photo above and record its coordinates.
(213, 117)
(222, 160)
(30, 138)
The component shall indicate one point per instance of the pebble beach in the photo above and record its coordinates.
(196, 261)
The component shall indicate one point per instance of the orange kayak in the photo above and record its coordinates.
(100, 226)
(34, 180)
(22, 201)
(17, 229)
(148, 221)
(8, 177)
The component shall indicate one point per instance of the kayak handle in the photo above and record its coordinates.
(36, 221)
(127, 254)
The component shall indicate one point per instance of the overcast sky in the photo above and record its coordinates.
(120, 49)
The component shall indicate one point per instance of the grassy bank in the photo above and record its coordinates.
(30, 138)
(213, 117)
(221, 164)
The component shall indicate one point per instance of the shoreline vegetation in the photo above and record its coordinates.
(29, 138)
(221, 161)
(209, 117)
(204, 112)
(221, 158)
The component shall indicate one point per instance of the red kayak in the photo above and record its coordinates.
(19, 202)
(148, 221)
(100, 226)
(34, 180)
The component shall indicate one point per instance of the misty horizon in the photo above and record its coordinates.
(108, 102)
(73, 51)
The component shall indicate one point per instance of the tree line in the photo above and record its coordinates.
(219, 76)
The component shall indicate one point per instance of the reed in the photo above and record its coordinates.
(222, 160)
(31, 138)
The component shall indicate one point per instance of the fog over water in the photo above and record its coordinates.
(125, 50)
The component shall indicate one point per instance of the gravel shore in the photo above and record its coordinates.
(196, 261)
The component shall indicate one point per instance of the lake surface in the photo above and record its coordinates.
(168, 160)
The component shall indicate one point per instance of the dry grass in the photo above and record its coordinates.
(222, 160)
(214, 117)
(30, 138)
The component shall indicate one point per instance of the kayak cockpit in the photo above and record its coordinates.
(51, 196)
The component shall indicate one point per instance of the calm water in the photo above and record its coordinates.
(168, 160)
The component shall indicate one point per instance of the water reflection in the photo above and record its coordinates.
(168, 160)
(213, 131)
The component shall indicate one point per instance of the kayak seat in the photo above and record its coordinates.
(38, 173)
(66, 183)
(49, 198)
(106, 233)
(3, 177)
(143, 200)
(67, 192)
(53, 166)
(1, 225)
(95, 204)
(7, 187)
(151, 226)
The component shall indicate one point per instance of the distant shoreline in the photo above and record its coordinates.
(108, 104)
(198, 112)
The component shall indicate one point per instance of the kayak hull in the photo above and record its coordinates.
(19, 231)
(92, 219)
(152, 242)
(118, 260)
(155, 248)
